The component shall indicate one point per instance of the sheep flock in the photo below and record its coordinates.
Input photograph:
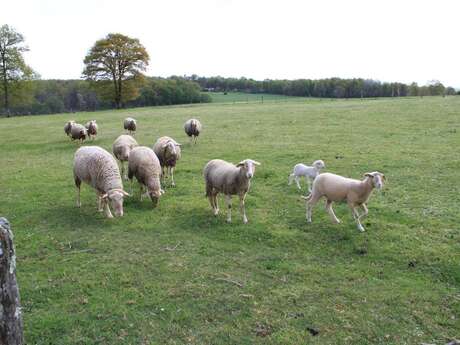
(150, 166)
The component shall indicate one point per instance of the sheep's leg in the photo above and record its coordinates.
(242, 208)
(290, 178)
(297, 181)
(141, 191)
(309, 184)
(228, 199)
(356, 216)
(310, 203)
(99, 203)
(331, 212)
(78, 185)
(172, 176)
(366, 211)
(216, 204)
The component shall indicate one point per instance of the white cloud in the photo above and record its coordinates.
(386, 40)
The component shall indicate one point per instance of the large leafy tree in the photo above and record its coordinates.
(119, 60)
(13, 68)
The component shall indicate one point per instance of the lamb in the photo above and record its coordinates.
(130, 125)
(168, 152)
(309, 172)
(121, 148)
(68, 126)
(224, 177)
(193, 128)
(96, 167)
(338, 188)
(91, 128)
(145, 166)
(78, 132)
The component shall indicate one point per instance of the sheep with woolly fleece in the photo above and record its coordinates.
(145, 166)
(130, 125)
(96, 167)
(168, 152)
(91, 128)
(309, 172)
(78, 132)
(229, 179)
(68, 127)
(121, 148)
(193, 129)
(338, 188)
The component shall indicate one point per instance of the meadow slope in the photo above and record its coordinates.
(178, 275)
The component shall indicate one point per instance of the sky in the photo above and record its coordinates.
(389, 40)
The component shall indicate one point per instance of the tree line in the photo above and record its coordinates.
(327, 88)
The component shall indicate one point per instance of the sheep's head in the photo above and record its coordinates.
(319, 164)
(155, 196)
(377, 179)
(248, 166)
(116, 200)
(170, 148)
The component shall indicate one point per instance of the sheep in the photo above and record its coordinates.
(96, 167)
(145, 166)
(121, 148)
(309, 172)
(78, 132)
(91, 128)
(224, 177)
(130, 125)
(68, 126)
(338, 188)
(193, 128)
(168, 152)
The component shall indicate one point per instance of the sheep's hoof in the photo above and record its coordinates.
(216, 211)
(229, 220)
(245, 221)
(173, 184)
(78, 204)
(337, 221)
(109, 216)
(361, 228)
(308, 221)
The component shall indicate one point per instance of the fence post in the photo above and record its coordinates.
(11, 332)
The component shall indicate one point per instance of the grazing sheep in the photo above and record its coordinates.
(309, 172)
(338, 188)
(78, 132)
(224, 177)
(168, 152)
(130, 125)
(192, 128)
(121, 148)
(91, 128)
(145, 166)
(68, 127)
(96, 167)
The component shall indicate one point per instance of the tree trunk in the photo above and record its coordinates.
(5, 87)
(11, 332)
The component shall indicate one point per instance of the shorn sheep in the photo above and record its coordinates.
(338, 188)
(224, 177)
(193, 128)
(168, 152)
(130, 125)
(78, 132)
(145, 166)
(121, 148)
(91, 128)
(309, 172)
(68, 127)
(96, 167)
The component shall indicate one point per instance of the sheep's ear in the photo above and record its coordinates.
(368, 175)
(125, 193)
(256, 163)
(240, 164)
(177, 144)
(383, 177)
(105, 196)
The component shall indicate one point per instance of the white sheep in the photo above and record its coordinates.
(193, 129)
(168, 152)
(78, 132)
(224, 177)
(121, 148)
(338, 188)
(91, 128)
(96, 167)
(145, 166)
(130, 125)
(68, 127)
(309, 172)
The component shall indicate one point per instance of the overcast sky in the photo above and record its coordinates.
(387, 40)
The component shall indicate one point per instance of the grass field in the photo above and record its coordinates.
(178, 275)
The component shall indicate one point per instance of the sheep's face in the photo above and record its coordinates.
(171, 148)
(248, 166)
(116, 200)
(377, 179)
(319, 164)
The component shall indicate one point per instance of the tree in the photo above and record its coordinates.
(13, 69)
(120, 60)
